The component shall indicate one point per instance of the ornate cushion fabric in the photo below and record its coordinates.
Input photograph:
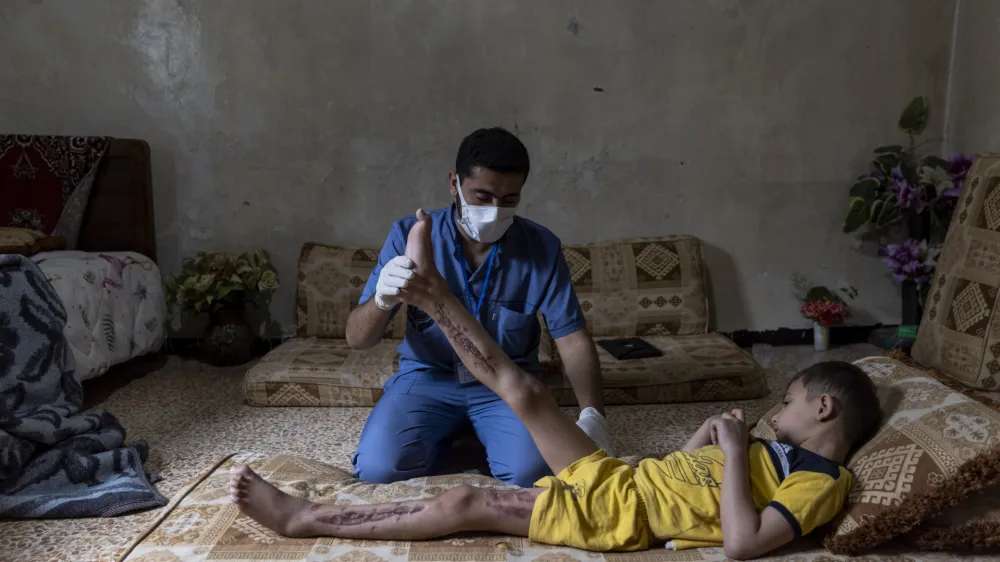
(45, 181)
(695, 368)
(321, 372)
(647, 286)
(200, 524)
(326, 372)
(960, 330)
(652, 286)
(929, 433)
(28, 242)
(331, 280)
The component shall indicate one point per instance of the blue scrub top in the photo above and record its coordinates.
(529, 275)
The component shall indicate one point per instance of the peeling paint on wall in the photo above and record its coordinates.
(277, 123)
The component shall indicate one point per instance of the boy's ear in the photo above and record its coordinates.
(827, 409)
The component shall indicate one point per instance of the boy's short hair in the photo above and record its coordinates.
(853, 391)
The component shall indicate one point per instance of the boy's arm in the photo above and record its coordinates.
(701, 438)
(746, 533)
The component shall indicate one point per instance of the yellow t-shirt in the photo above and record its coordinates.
(683, 492)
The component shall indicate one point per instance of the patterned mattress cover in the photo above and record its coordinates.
(200, 524)
(114, 306)
(327, 372)
(929, 426)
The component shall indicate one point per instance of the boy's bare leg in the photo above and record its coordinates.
(560, 441)
(464, 509)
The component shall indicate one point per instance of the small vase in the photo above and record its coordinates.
(227, 340)
(821, 337)
(912, 311)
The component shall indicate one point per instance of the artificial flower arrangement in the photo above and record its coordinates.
(908, 200)
(825, 307)
(214, 281)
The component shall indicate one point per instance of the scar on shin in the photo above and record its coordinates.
(360, 516)
(517, 504)
(461, 339)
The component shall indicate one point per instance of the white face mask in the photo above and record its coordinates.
(484, 223)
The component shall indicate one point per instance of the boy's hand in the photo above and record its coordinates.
(708, 433)
(729, 432)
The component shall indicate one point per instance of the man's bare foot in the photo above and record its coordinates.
(418, 243)
(269, 506)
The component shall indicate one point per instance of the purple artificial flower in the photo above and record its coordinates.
(958, 167)
(908, 261)
(909, 197)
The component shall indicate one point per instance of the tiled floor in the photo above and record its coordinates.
(192, 415)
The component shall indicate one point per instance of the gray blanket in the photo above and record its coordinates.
(55, 461)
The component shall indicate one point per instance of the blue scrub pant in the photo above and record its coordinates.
(413, 423)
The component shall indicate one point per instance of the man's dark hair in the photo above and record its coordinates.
(495, 149)
(853, 392)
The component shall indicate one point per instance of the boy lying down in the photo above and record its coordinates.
(750, 496)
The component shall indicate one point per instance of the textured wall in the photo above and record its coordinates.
(974, 111)
(277, 122)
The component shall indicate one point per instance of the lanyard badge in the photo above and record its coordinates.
(461, 372)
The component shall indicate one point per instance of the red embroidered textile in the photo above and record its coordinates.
(38, 174)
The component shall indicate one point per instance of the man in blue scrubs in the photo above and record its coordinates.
(506, 269)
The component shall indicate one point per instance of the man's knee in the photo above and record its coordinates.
(524, 470)
(378, 464)
(526, 475)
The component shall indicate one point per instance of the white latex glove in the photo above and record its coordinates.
(596, 427)
(394, 276)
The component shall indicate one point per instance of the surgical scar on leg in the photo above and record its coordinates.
(463, 341)
(359, 516)
(517, 504)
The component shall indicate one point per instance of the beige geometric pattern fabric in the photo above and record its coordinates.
(694, 368)
(331, 280)
(927, 432)
(960, 331)
(642, 287)
(201, 525)
(326, 372)
(321, 372)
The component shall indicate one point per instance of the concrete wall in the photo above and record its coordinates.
(277, 122)
(974, 107)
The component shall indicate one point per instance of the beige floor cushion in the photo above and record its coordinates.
(695, 368)
(331, 280)
(960, 330)
(326, 372)
(934, 445)
(321, 372)
(641, 287)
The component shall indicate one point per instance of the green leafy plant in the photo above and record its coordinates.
(217, 281)
(903, 184)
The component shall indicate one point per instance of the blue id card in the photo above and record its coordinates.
(463, 375)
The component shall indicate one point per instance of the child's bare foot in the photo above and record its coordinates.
(418, 242)
(269, 506)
